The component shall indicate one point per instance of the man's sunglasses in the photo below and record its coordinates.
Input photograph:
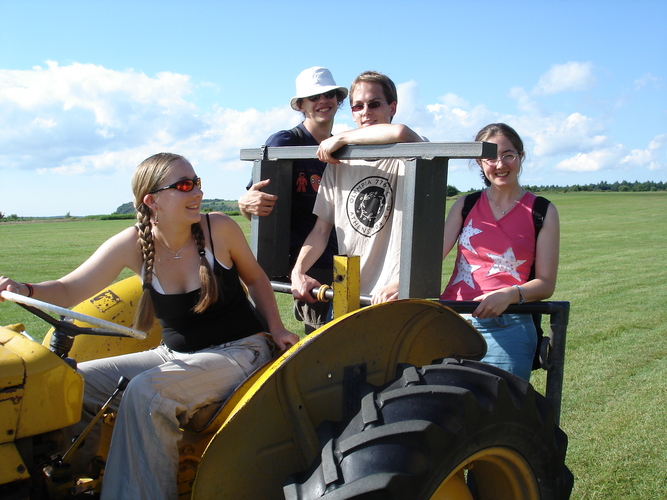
(184, 185)
(371, 105)
(327, 95)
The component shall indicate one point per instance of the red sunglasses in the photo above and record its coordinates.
(184, 185)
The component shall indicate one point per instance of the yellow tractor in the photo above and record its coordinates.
(384, 402)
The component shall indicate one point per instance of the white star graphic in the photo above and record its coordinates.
(464, 272)
(505, 263)
(467, 233)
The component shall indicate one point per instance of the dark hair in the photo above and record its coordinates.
(495, 129)
(340, 96)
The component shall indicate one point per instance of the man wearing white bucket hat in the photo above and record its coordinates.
(361, 199)
(318, 98)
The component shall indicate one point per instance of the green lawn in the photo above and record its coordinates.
(613, 271)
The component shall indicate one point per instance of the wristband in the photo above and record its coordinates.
(521, 299)
(31, 290)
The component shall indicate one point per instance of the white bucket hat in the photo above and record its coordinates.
(313, 81)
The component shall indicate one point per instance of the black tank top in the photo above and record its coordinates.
(230, 318)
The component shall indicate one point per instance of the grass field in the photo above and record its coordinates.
(613, 271)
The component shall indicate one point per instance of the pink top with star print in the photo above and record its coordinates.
(493, 254)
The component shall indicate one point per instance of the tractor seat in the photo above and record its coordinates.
(203, 417)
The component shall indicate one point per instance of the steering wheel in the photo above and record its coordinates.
(39, 309)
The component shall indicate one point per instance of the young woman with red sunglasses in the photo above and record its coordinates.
(191, 266)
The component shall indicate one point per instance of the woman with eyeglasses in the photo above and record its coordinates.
(191, 266)
(499, 260)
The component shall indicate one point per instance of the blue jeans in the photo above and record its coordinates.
(511, 342)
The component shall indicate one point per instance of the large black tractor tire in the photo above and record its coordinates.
(455, 430)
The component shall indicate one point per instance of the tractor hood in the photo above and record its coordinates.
(39, 392)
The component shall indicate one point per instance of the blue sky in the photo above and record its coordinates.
(88, 89)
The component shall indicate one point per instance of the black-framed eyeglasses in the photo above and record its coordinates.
(507, 159)
(184, 185)
(371, 105)
(327, 95)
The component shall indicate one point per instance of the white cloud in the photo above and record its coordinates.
(565, 77)
(525, 102)
(649, 80)
(51, 115)
(453, 100)
(105, 163)
(616, 157)
(603, 159)
(557, 135)
(410, 110)
(636, 158)
(44, 123)
(86, 119)
(106, 93)
(654, 157)
(456, 120)
(341, 127)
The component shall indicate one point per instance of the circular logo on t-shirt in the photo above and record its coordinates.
(369, 205)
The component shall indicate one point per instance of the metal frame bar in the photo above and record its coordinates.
(423, 217)
(424, 196)
(270, 236)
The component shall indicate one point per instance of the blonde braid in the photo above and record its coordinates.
(209, 284)
(145, 315)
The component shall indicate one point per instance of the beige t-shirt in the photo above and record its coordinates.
(364, 201)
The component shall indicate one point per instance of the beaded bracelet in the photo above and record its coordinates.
(521, 299)
(31, 290)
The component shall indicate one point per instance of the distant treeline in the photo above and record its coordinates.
(624, 186)
(230, 207)
(619, 187)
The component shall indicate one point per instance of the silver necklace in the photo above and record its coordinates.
(511, 206)
(176, 254)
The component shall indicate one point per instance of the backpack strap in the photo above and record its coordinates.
(210, 234)
(468, 203)
(540, 207)
(297, 133)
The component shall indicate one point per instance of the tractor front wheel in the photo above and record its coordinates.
(451, 430)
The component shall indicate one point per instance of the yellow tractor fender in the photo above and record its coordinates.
(269, 424)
